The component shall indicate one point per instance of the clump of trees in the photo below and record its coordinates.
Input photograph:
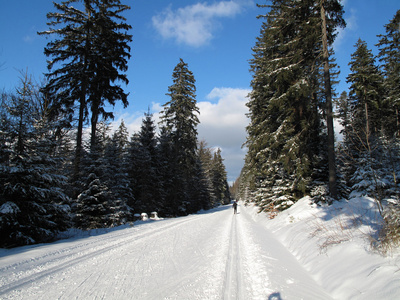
(369, 114)
(288, 105)
(119, 176)
(288, 135)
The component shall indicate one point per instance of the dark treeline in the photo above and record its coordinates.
(53, 178)
(288, 136)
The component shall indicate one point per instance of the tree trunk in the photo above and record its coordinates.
(329, 113)
(78, 151)
(94, 121)
(367, 127)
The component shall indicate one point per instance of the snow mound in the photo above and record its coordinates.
(334, 242)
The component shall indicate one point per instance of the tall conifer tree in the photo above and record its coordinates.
(85, 60)
(366, 91)
(33, 206)
(145, 168)
(180, 119)
(389, 55)
(285, 131)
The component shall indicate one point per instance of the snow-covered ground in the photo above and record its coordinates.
(301, 254)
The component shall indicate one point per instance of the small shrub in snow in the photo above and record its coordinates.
(389, 235)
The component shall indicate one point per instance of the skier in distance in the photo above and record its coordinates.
(234, 207)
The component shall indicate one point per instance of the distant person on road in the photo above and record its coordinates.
(234, 207)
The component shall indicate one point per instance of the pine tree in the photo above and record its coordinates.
(206, 159)
(169, 176)
(219, 179)
(110, 54)
(389, 55)
(145, 168)
(116, 178)
(179, 117)
(366, 92)
(336, 9)
(69, 83)
(285, 131)
(91, 50)
(98, 205)
(33, 206)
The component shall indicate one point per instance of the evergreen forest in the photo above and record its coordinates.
(62, 166)
(292, 151)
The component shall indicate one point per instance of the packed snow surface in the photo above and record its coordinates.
(211, 255)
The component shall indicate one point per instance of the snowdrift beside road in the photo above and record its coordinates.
(333, 243)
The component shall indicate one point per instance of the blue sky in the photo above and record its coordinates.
(215, 39)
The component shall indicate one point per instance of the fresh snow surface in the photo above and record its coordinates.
(210, 255)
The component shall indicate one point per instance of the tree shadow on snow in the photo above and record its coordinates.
(353, 214)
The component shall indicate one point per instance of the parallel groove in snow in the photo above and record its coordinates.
(41, 267)
(232, 284)
(216, 255)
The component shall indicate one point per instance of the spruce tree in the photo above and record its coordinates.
(5, 129)
(85, 60)
(116, 178)
(145, 168)
(285, 131)
(92, 209)
(335, 9)
(219, 179)
(343, 112)
(169, 176)
(366, 90)
(69, 83)
(366, 145)
(109, 59)
(100, 203)
(206, 159)
(389, 56)
(135, 169)
(180, 119)
(33, 205)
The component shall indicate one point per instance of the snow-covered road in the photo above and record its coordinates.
(214, 255)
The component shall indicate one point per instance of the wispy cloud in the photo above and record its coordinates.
(351, 27)
(223, 124)
(193, 25)
(31, 35)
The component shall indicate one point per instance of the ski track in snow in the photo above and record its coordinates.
(215, 255)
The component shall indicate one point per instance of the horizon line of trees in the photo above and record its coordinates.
(52, 179)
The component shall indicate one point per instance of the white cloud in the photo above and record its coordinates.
(222, 125)
(194, 24)
(224, 120)
(351, 27)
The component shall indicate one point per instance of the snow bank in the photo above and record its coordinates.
(333, 243)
